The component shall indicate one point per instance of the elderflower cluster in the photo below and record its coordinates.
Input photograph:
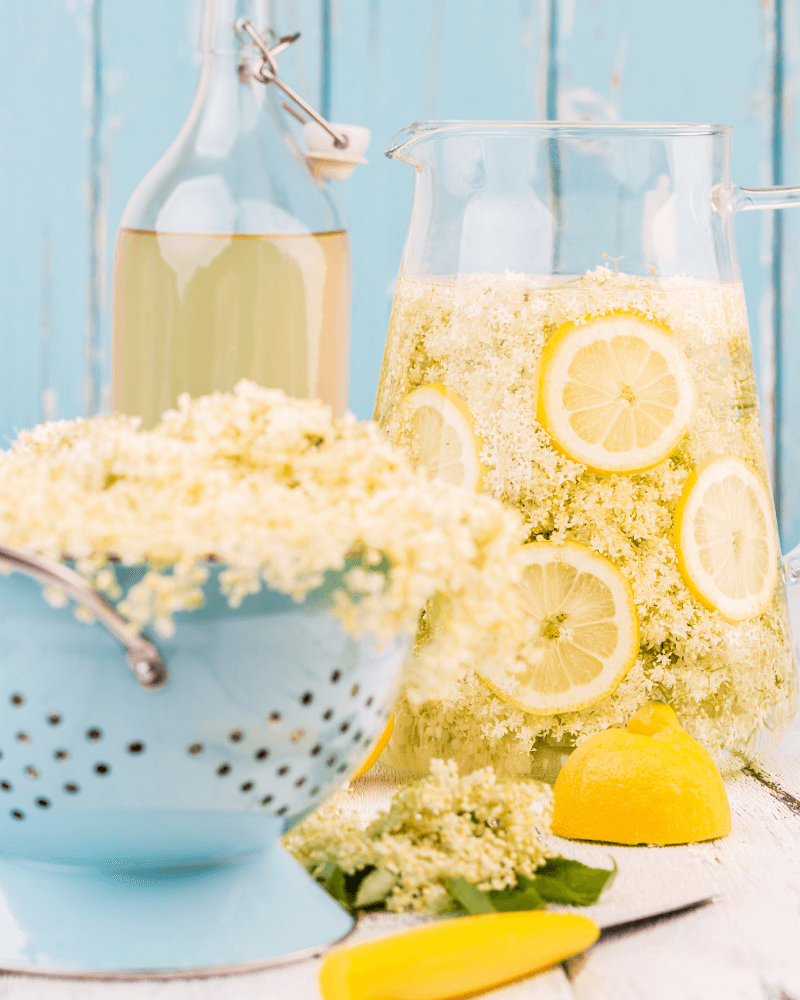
(278, 493)
(443, 827)
(483, 337)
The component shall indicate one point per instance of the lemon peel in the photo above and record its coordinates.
(377, 750)
(650, 783)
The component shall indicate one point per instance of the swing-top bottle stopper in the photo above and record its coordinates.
(334, 150)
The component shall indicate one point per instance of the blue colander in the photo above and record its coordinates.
(143, 790)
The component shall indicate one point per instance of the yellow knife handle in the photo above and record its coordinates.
(455, 958)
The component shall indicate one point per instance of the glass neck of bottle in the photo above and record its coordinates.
(218, 32)
(227, 104)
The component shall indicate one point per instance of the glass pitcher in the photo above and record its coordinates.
(231, 259)
(569, 334)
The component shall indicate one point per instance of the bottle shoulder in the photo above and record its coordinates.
(231, 169)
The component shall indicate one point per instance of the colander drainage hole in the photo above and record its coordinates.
(101, 768)
(261, 754)
(246, 787)
(283, 770)
(299, 783)
(369, 702)
(297, 735)
(330, 761)
(61, 755)
(31, 772)
(357, 736)
(367, 742)
(327, 716)
(23, 738)
(236, 736)
(342, 768)
(43, 803)
(54, 719)
(354, 690)
(336, 676)
(5, 785)
(316, 750)
(195, 749)
(17, 814)
(274, 717)
(94, 735)
(266, 800)
(282, 811)
(136, 747)
(71, 789)
(17, 699)
(344, 727)
(306, 698)
(314, 791)
(223, 769)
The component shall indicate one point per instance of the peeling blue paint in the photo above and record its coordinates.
(93, 372)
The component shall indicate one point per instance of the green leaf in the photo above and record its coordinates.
(553, 891)
(336, 886)
(374, 888)
(520, 897)
(325, 873)
(468, 897)
(558, 880)
(561, 880)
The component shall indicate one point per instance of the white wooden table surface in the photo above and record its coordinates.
(745, 945)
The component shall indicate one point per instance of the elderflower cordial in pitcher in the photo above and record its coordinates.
(231, 259)
(569, 333)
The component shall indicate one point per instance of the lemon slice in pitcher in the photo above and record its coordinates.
(438, 432)
(616, 393)
(725, 538)
(584, 632)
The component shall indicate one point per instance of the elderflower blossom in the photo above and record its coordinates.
(443, 827)
(278, 493)
(483, 336)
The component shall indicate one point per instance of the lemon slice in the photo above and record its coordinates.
(438, 432)
(725, 538)
(584, 631)
(616, 393)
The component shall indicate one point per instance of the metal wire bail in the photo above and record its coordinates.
(266, 72)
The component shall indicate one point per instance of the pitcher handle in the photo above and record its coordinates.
(743, 199)
(791, 565)
(143, 657)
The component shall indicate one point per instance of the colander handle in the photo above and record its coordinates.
(143, 657)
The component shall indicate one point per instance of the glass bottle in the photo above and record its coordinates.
(231, 259)
(569, 333)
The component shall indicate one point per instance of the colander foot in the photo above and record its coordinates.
(128, 924)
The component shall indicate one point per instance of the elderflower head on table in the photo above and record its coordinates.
(443, 827)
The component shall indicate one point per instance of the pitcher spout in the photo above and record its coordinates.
(409, 138)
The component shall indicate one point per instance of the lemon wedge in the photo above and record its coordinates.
(616, 393)
(649, 783)
(584, 631)
(726, 540)
(438, 432)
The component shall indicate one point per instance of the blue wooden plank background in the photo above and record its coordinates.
(93, 91)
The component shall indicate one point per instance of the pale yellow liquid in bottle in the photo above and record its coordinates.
(198, 313)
